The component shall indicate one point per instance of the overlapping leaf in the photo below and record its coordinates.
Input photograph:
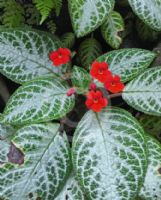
(25, 54)
(112, 28)
(40, 100)
(109, 155)
(144, 92)
(128, 63)
(149, 11)
(87, 15)
(46, 164)
(152, 185)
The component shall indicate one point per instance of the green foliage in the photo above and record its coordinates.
(112, 29)
(68, 40)
(144, 92)
(151, 189)
(88, 15)
(109, 150)
(51, 26)
(148, 11)
(80, 79)
(38, 105)
(46, 6)
(35, 47)
(110, 157)
(151, 125)
(88, 51)
(145, 32)
(13, 13)
(46, 164)
(128, 62)
(32, 15)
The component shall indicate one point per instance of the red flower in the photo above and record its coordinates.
(95, 101)
(61, 56)
(113, 84)
(99, 71)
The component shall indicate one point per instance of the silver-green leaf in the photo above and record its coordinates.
(45, 168)
(144, 92)
(6, 132)
(112, 28)
(39, 100)
(128, 63)
(71, 190)
(148, 11)
(151, 189)
(80, 79)
(87, 15)
(25, 54)
(109, 155)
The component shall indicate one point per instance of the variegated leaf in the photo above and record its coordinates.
(88, 51)
(39, 100)
(109, 155)
(148, 11)
(71, 191)
(151, 189)
(45, 168)
(144, 92)
(25, 54)
(80, 79)
(6, 132)
(87, 15)
(112, 28)
(128, 63)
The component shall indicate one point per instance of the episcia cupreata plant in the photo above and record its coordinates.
(111, 156)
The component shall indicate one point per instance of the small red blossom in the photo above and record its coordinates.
(92, 86)
(95, 101)
(71, 91)
(61, 56)
(99, 71)
(113, 84)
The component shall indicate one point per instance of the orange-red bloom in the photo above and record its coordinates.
(95, 101)
(61, 56)
(99, 71)
(113, 84)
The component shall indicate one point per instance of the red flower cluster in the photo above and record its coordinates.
(95, 101)
(61, 56)
(100, 71)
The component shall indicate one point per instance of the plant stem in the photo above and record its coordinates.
(114, 95)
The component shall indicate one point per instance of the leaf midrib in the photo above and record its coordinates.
(104, 141)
